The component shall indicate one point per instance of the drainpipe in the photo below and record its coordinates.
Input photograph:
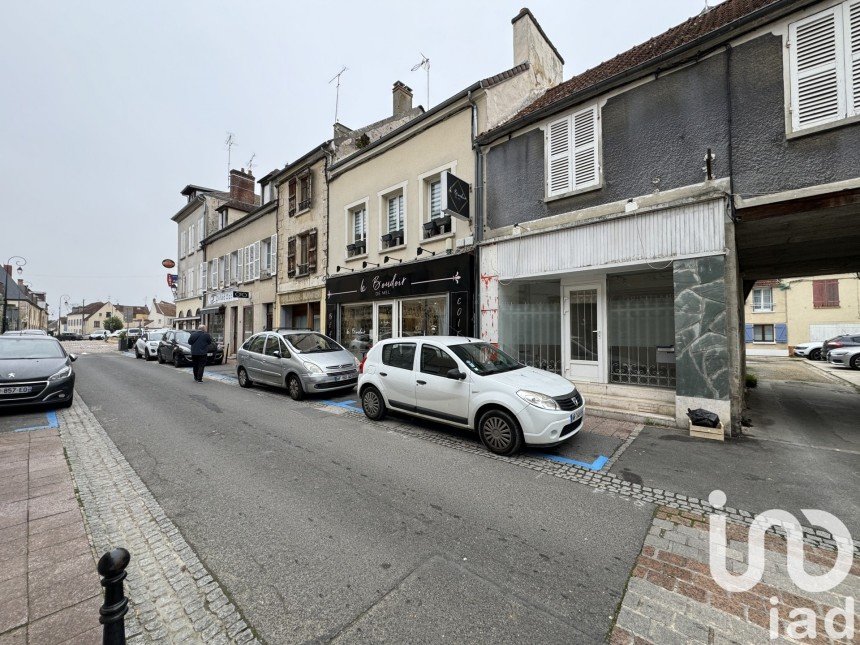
(328, 149)
(478, 221)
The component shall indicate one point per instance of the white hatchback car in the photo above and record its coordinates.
(468, 383)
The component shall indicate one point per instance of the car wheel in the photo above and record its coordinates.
(147, 355)
(373, 404)
(158, 358)
(137, 353)
(500, 433)
(815, 355)
(294, 388)
(855, 362)
(177, 361)
(244, 379)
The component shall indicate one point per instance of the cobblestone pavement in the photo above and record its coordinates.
(173, 597)
(49, 588)
(90, 346)
(672, 598)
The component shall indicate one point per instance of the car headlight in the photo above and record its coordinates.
(313, 368)
(356, 361)
(538, 400)
(62, 373)
(186, 351)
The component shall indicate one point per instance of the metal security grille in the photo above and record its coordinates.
(641, 350)
(583, 325)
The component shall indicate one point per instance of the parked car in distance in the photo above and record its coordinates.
(133, 333)
(811, 350)
(99, 334)
(35, 370)
(845, 357)
(843, 340)
(68, 335)
(146, 345)
(26, 332)
(174, 348)
(302, 361)
(471, 384)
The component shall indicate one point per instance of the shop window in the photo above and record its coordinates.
(356, 328)
(424, 316)
(641, 328)
(530, 323)
(399, 355)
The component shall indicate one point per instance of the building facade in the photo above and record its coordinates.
(161, 314)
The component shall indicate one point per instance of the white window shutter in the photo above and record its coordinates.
(240, 267)
(257, 260)
(558, 157)
(817, 69)
(585, 158)
(852, 55)
(273, 250)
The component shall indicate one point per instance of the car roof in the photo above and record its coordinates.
(296, 331)
(439, 340)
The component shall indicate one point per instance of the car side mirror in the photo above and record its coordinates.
(456, 374)
(73, 357)
(276, 353)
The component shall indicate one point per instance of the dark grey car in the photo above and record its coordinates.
(302, 361)
(35, 370)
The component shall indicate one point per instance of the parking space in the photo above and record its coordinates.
(20, 420)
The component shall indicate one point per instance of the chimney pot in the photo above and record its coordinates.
(401, 99)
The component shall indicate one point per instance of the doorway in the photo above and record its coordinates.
(583, 324)
(385, 320)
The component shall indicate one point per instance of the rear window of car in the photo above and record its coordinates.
(154, 336)
(401, 355)
(21, 347)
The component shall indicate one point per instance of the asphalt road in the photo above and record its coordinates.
(326, 528)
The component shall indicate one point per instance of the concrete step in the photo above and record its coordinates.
(632, 404)
(631, 415)
(627, 391)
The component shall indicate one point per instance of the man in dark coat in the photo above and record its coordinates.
(200, 342)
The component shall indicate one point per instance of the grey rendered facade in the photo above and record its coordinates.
(661, 234)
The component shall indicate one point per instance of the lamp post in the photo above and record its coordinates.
(19, 262)
(64, 300)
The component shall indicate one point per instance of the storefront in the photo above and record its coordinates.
(221, 317)
(423, 298)
(302, 309)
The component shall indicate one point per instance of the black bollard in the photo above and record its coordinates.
(111, 567)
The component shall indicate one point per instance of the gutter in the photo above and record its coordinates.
(779, 9)
(478, 221)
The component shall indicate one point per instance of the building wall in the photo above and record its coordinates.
(779, 316)
(802, 314)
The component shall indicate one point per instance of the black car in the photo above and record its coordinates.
(845, 340)
(35, 370)
(67, 335)
(174, 348)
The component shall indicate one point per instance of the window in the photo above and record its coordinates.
(394, 210)
(424, 316)
(825, 293)
(356, 328)
(436, 361)
(305, 191)
(434, 198)
(302, 254)
(191, 239)
(97, 324)
(824, 66)
(763, 299)
(291, 202)
(201, 230)
(201, 283)
(222, 219)
(252, 261)
(571, 152)
(762, 333)
(223, 270)
(256, 344)
(273, 344)
(400, 355)
(183, 243)
(358, 228)
(268, 250)
(234, 267)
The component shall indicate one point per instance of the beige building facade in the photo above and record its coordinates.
(781, 314)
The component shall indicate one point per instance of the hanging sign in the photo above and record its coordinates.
(167, 263)
(172, 279)
(455, 196)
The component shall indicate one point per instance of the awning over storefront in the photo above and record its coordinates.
(213, 310)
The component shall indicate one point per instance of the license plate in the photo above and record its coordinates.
(575, 416)
(345, 377)
(210, 354)
(15, 390)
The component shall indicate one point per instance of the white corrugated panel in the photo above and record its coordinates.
(828, 331)
(688, 230)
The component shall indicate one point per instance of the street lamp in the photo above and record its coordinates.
(19, 262)
(64, 300)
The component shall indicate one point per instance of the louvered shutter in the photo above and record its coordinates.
(585, 170)
(240, 266)
(312, 251)
(748, 333)
(852, 55)
(291, 256)
(273, 254)
(558, 157)
(817, 69)
(818, 293)
(257, 246)
(435, 199)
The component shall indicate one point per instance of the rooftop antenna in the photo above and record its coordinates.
(336, 77)
(251, 163)
(425, 65)
(230, 142)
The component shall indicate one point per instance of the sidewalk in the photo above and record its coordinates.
(49, 588)
(842, 373)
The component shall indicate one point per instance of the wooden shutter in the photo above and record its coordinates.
(240, 266)
(831, 293)
(818, 296)
(558, 157)
(257, 246)
(748, 333)
(273, 254)
(312, 251)
(291, 255)
(852, 56)
(817, 69)
(585, 169)
(780, 333)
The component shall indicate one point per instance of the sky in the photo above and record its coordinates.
(109, 108)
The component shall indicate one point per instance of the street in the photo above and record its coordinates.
(326, 527)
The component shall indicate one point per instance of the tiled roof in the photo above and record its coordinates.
(676, 37)
(503, 76)
(89, 309)
(165, 308)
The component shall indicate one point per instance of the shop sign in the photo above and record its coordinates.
(455, 196)
(225, 296)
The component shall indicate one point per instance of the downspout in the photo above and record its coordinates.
(478, 221)
(327, 150)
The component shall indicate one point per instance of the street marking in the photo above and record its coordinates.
(595, 465)
(349, 405)
(53, 422)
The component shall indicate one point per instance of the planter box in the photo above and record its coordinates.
(703, 432)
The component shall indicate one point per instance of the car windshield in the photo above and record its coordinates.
(22, 347)
(154, 336)
(182, 337)
(483, 358)
(312, 343)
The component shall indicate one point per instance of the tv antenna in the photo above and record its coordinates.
(425, 65)
(336, 77)
(251, 163)
(230, 142)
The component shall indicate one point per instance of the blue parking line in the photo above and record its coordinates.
(348, 405)
(53, 422)
(595, 465)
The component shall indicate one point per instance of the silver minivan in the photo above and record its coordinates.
(303, 361)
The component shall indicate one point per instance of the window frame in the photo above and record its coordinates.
(393, 192)
(764, 340)
(424, 213)
(761, 308)
(570, 117)
(349, 214)
(442, 351)
(389, 347)
(825, 301)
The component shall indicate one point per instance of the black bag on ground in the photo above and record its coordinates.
(701, 417)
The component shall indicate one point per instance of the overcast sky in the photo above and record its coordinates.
(110, 108)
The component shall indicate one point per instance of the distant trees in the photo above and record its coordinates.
(112, 323)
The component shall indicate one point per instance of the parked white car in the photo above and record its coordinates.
(99, 334)
(845, 357)
(810, 350)
(468, 383)
(146, 345)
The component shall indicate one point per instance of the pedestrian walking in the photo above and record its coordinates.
(201, 343)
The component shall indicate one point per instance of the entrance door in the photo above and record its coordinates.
(384, 320)
(582, 332)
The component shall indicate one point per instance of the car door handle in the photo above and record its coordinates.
(421, 382)
(383, 373)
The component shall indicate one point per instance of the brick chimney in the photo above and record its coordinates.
(402, 98)
(242, 186)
